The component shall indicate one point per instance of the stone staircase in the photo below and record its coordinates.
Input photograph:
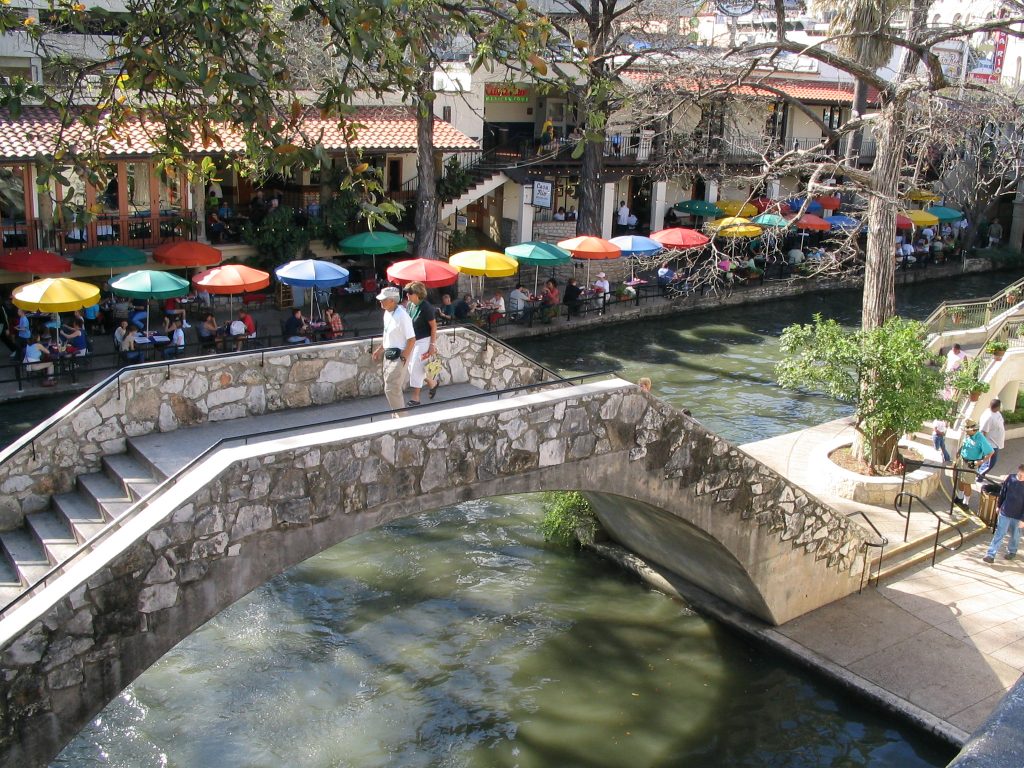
(50, 537)
(485, 178)
(900, 556)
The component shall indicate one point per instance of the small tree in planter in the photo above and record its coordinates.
(888, 374)
(967, 379)
(997, 349)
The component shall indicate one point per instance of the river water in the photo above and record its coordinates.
(459, 638)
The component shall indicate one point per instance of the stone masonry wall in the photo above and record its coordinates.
(262, 514)
(199, 390)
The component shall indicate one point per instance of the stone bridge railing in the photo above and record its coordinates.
(163, 397)
(250, 512)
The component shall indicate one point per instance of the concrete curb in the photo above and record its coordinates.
(707, 604)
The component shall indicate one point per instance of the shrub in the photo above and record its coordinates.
(568, 518)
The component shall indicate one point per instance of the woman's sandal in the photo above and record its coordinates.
(433, 390)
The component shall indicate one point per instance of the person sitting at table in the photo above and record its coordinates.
(335, 325)
(216, 228)
(295, 328)
(140, 312)
(517, 299)
(559, 214)
(119, 333)
(75, 338)
(463, 308)
(549, 301)
(129, 353)
(665, 277)
(35, 352)
(445, 312)
(601, 285)
(209, 333)
(497, 307)
(571, 297)
(249, 331)
(177, 346)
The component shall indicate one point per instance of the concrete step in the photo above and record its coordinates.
(9, 579)
(80, 514)
(26, 553)
(136, 477)
(906, 555)
(156, 469)
(111, 498)
(55, 535)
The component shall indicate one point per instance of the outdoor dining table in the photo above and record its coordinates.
(146, 344)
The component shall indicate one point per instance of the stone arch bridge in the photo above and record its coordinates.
(664, 486)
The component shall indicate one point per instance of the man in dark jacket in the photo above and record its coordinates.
(1011, 510)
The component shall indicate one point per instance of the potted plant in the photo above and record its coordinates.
(967, 379)
(997, 349)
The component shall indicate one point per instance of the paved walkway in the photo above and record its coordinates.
(949, 639)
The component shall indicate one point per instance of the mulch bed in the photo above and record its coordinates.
(843, 457)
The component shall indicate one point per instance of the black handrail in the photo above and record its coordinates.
(881, 549)
(128, 514)
(898, 503)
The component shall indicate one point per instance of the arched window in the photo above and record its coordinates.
(956, 19)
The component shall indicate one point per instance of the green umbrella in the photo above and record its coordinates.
(372, 243)
(945, 214)
(770, 220)
(538, 254)
(149, 284)
(699, 208)
(110, 256)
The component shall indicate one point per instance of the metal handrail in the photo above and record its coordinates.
(89, 544)
(881, 549)
(898, 503)
(947, 309)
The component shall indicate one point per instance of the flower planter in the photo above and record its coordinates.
(997, 356)
(975, 394)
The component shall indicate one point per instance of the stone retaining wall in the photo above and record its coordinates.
(189, 392)
(198, 549)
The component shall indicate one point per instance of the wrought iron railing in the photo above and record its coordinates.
(956, 315)
(140, 230)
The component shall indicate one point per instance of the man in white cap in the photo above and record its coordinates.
(601, 284)
(396, 346)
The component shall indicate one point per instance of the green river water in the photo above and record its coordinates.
(459, 638)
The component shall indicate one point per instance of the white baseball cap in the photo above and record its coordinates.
(389, 293)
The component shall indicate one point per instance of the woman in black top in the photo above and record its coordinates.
(424, 325)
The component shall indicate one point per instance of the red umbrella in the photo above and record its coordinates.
(762, 203)
(431, 272)
(902, 222)
(829, 202)
(34, 261)
(187, 254)
(230, 279)
(810, 221)
(587, 247)
(680, 237)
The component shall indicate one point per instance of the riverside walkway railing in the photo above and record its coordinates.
(955, 315)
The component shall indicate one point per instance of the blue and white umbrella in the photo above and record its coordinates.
(312, 273)
(813, 206)
(845, 223)
(636, 245)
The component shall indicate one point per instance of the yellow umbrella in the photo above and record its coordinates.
(733, 226)
(921, 218)
(922, 196)
(484, 264)
(55, 294)
(737, 208)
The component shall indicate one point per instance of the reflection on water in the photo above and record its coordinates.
(459, 638)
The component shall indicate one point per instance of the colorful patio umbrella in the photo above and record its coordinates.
(431, 272)
(944, 214)
(737, 208)
(699, 208)
(734, 226)
(771, 220)
(763, 203)
(312, 273)
(372, 243)
(110, 256)
(636, 245)
(484, 264)
(844, 223)
(796, 203)
(921, 218)
(591, 248)
(35, 261)
(680, 238)
(231, 279)
(922, 196)
(187, 253)
(902, 222)
(149, 284)
(814, 223)
(539, 255)
(828, 202)
(55, 294)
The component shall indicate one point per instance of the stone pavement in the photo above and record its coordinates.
(948, 640)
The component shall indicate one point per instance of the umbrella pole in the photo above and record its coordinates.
(536, 280)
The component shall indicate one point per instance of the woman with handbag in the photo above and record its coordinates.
(424, 325)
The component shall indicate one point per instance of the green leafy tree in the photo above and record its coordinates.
(568, 518)
(277, 238)
(887, 372)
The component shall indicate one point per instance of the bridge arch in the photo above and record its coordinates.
(250, 512)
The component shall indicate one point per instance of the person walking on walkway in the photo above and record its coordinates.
(396, 346)
(975, 450)
(1011, 510)
(993, 427)
(424, 325)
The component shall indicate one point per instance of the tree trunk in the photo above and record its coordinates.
(860, 106)
(591, 213)
(879, 300)
(427, 204)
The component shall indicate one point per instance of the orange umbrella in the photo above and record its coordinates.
(34, 261)
(680, 238)
(187, 254)
(810, 221)
(588, 247)
(230, 279)
(829, 202)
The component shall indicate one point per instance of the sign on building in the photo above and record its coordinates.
(542, 194)
(505, 92)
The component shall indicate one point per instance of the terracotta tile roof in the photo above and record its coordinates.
(380, 128)
(804, 90)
